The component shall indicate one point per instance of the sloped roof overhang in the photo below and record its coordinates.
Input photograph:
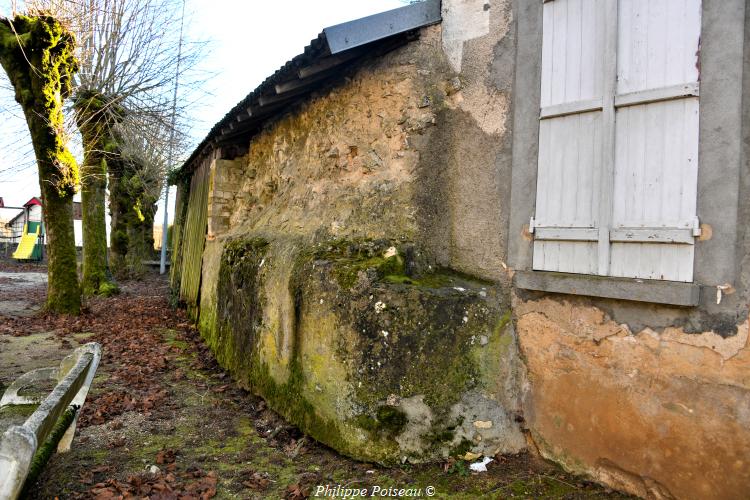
(321, 64)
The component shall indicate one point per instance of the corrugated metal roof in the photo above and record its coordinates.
(322, 63)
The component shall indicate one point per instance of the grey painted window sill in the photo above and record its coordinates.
(653, 291)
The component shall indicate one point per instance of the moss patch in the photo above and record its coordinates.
(37, 53)
(373, 324)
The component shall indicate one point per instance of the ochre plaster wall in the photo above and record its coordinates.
(654, 413)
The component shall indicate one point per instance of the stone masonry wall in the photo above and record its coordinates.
(341, 277)
(412, 152)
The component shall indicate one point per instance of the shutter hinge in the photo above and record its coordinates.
(532, 225)
(696, 227)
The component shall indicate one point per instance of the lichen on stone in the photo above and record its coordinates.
(375, 383)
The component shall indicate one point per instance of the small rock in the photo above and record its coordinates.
(483, 424)
(454, 85)
(152, 469)
(484, 340)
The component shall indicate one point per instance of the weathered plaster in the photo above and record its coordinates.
(655, 414)
(463, 20)
(480, 96)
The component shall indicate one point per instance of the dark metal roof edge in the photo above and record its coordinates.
(368, 29)
(333, 45)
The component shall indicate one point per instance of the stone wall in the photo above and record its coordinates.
(357, 253)
(341, 277)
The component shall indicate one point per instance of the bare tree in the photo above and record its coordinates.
(140, 171)
(37, 54)
(129, 57)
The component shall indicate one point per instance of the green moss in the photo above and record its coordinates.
(232, 329)
(461, 448)
(108, 289)
(391, 419)
(348, 272)
(45, 451)
(172, 340)
(37, 53)
(388, 422)
(347, 356)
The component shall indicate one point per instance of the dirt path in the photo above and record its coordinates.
(164, 421)
(20, 292)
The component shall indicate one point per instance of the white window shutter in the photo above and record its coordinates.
(618, 138)
(656, 152)
(570, 142)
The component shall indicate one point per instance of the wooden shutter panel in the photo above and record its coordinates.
(570, 142)
(656, 140)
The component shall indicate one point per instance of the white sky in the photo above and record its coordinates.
(250, 40)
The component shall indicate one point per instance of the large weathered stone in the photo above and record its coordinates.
(382, 364)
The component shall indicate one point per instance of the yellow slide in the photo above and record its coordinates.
(28, 241)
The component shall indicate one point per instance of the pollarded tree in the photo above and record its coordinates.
(37, 53)
(129, 57)
(95, 117)
(136, 181)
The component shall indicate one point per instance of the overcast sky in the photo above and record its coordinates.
(250, 39)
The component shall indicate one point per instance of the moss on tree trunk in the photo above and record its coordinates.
(118, 203)
(94, 228)
(141, 236)
(96, 115)
(133, 210)
(37, 55)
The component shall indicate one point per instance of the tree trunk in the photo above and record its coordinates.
(37, 54)
(92, 117)
(141, 237)
(63, 292)
(118, 206)
(93, 187)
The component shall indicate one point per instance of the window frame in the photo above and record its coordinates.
(720, 157)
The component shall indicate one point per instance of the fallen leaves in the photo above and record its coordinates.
(193, 484)
(258, 481)
(165, 457)
(296, 492)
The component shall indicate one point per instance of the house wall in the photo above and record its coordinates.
(646, 397)
(414, 152)
(333, 261)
